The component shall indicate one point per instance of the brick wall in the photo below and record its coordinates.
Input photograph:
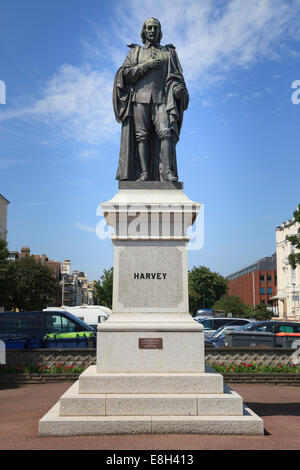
(243, 287)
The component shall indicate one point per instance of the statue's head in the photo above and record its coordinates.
(151, 31)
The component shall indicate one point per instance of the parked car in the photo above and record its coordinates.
(217, 340)
(263, 333)
(211, 324)
(89, 314)
(32, 329)
(273, 326)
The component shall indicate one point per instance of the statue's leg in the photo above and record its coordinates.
(163, 130)
(143, 151)
(142, 121)
(166, 149)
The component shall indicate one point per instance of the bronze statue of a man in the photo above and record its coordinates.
(149, 99)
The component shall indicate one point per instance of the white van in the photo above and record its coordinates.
(90, 314)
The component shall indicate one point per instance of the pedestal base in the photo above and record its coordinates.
(156, 403)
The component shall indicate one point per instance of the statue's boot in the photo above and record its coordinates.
(171, 176)
(166, 153)
(143, 151)
(143, 177)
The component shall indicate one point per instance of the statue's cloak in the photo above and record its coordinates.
(129, 167)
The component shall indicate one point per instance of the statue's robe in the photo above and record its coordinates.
(129, 166)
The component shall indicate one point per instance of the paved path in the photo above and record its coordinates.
(23, 406)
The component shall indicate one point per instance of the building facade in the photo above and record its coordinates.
(288, 294)
(3, 216)
(66, 267)
(75, 287)
(256, 283)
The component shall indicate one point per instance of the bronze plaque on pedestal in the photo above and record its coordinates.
(150, 343)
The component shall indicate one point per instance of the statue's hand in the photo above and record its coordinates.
(154, 63)
(179, 91)
(150, 64)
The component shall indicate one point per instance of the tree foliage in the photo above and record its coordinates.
(3, 251)
(30, 285)
(4, 284)
(261, 312)
(233, 304)
(205, 288)
(25, 284)
(294, 258)
(103, 289)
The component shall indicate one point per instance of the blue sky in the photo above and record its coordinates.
(239, 147)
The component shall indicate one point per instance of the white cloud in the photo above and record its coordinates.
(88, 154)
(7, 162)
(77, 100)
(207, 104)
(231, 95)
(85, 228)
(253, 96)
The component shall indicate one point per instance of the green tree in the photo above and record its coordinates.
(233, 304)
(261, 312)
(4, 285)
(31, 285)
(3, 251)
(294, 258)
(205, 288)
(103, 289)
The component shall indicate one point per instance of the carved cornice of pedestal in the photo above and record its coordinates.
(150, 214)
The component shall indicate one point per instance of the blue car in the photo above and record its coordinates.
(30, 330)
(218, 339)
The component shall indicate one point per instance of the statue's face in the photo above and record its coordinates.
(152, 31)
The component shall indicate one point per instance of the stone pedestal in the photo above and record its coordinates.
(150, 375)
(150, 329)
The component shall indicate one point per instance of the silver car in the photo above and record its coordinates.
(211, 324)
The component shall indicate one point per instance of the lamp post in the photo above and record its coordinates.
(253, 288)
(63, 290)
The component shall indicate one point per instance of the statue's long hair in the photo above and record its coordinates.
(143, 36)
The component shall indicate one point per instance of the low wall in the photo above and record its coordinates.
(50, 357)
(259, 355)
(86, 357)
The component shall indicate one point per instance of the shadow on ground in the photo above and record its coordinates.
(275, 409)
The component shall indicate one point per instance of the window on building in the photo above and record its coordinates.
(262, 301)
(270, 290)
(269, 278)
(261, 277)
(262, 290)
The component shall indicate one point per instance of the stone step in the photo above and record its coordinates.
(54, 425)
(74, 404)
(91, 381)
